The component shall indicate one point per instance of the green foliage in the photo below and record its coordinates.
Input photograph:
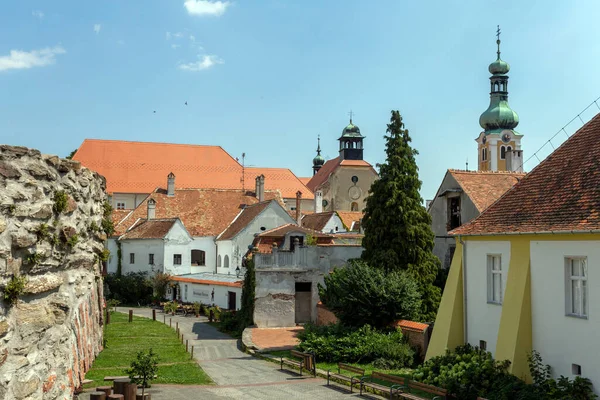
(94, 227)
(469, 372)
(197, 306)
(246, 313)
(42, 231)
(216, 312)
(337, 343)
(105, 255)
(71, 155)
(170, 307)
(113, 303)
(11, 208)
(360, 294)
(60, 201)
(311, 240)
(143, 368)
(34, 258)
(160, 282)
(134, 288)
(119, 259)
(73, 240)
(397, 227)
(14, 288)
(54, 240)
(107, 224)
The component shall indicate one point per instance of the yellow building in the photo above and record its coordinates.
(526, 272)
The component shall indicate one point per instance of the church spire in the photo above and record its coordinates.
(318, 161)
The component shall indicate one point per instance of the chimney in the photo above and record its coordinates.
(151, 209)
(260, 188)
(298, 210)
(318, 201)
(171, 185)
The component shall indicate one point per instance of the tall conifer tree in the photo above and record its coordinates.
(397, 227)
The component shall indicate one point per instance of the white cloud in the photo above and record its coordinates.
(97, 28)
(176, 35)
(175, 46)
(204, 62)
(18, 59)
(206, 7)
(192, 38)
(38, 14)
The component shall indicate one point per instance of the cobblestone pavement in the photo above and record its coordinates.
(235, 373)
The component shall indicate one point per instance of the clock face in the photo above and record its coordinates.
(506, 137)
(354, 192)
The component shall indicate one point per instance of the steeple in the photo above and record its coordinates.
(318, 161)
(499, 116)
(351, 142)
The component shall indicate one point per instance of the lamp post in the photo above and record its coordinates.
(238, 271)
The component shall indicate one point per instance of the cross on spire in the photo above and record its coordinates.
(350, 114)
(498, 40)
(319, 144)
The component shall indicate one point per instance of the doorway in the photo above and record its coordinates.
(303, 302)
(231, 304)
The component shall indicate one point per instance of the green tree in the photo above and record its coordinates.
(160, 281)
(360, 294)
(397, 227)
(143, 368)
(248, 291)
(71, 154)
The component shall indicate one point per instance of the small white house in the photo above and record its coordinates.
(221, 290)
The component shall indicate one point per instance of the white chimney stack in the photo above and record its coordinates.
(298, 208)
(260, 188)
(318, 201)
(151, 209)
(171, 185)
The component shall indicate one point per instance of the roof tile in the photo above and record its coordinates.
(150, 229)
(485, 187)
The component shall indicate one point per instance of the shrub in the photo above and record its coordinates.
(143, 368)
(107, 224)
(105, 255)
(60, 201)
(73, 240)
(197, 307)
(160, 282)
(170, 307)
(337, 343)
(360, 294)
(14, 288)
(133, 288)
(112, 303)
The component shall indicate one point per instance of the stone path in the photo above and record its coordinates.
(235, 373)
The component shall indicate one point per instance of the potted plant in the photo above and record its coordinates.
(197, 307)
(143, 369)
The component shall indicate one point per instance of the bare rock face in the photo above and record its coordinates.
(51, 334)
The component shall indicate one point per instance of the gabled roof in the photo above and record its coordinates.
(560, 195)
(246, 216)
(305, 179)
(203, 212)
(485, 187)
(285, 229)
(330, 166)
(281, 179)
(351, 219)
(317, 221)
(139, 167)
(150, 229)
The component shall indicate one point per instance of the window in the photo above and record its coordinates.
(502, 152)
(120, 206)
(131, 258)
(151, 259)
(576, 286)
(198, 257)
(576, 369)
(176, 259)
(483, 345)
(219, 261)
(494, 267)
(354, 206)
(484, 154)
(453, 213)
(226, 262)
(185, 292)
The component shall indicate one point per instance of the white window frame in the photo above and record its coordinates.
(579, 281)
(494, 273)
(120, 205)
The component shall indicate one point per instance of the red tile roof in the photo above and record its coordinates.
(150, 229)
(485, 187)
(560, 195)
(350, 218)
(317, 221)
(119, 215)
(305, 180)
(412, 325)
(203, 212)
(243, 219)
(356, 163)
(281, 179)
(330, 166)
(284, 229)
(206, 282)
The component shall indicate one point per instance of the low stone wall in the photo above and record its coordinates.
(324, 316)
(51, 213)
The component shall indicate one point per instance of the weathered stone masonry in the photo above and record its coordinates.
(51, 335)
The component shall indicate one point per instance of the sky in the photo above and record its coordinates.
(265, 77)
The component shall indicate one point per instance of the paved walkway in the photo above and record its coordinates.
(275, 338)
(235, 373)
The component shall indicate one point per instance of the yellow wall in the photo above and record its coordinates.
(501, 162)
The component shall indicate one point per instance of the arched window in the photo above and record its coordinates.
(508, 149)
(226, 262)
(198, 257)
(484, 154)
(354, 206)
(219, 261)
(502, 152)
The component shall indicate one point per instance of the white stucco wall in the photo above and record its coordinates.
(141, 248)
(178, 241)
(483, 319)
(202, 294)
(333, 223)
(131, 200)
(225, 248)
(113, 261)
(563, 340)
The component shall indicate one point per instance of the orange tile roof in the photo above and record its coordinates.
(119, 215)
(323, 174)
(206, 282)
(317, 221)
(412, 325)
(356, 163)
(243, 219)
(485, 187)
(284, 229)
(305, 180)
(281, 179)
(150, 229)
(560, 195)
(140, 167)
(203, 212)
(350, 217)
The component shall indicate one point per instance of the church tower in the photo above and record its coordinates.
(499, 145)
(351, 143)
(318, 161)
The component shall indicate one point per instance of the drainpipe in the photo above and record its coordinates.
(464, 279)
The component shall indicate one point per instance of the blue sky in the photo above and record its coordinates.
(265, 77)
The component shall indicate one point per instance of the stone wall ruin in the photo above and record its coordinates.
(51, 213)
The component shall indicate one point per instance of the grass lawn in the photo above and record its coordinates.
(124, 340)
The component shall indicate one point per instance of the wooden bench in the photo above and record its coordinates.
(439, 393)
(295, 363)
(353, 380)
(398, 383)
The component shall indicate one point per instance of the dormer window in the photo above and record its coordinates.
(120, 205)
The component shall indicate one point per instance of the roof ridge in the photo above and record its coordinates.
(462, 171)
(162, 143)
